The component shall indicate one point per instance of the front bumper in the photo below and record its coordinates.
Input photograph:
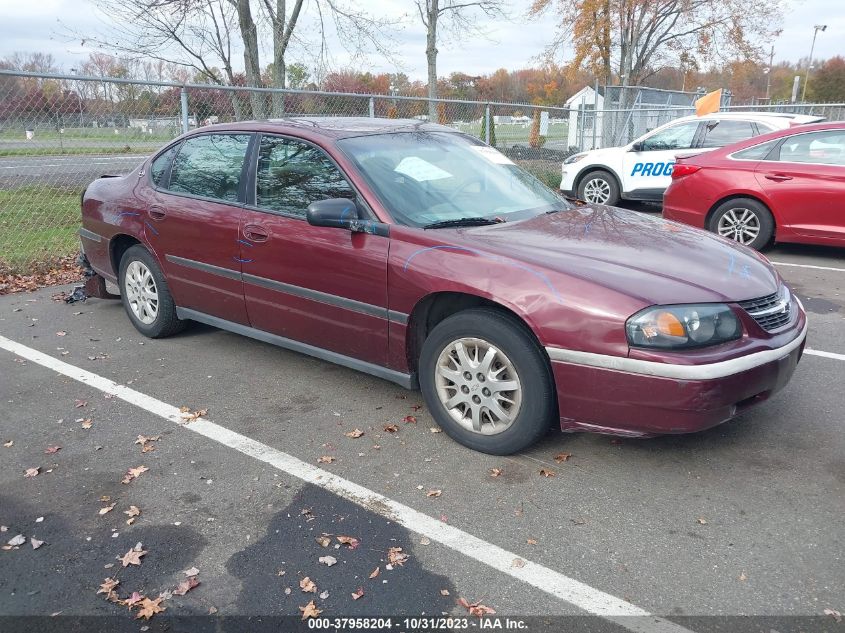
(624, 396)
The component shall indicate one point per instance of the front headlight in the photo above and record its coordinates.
(683, 326)
(574, 158)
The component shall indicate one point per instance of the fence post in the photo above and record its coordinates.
(487, 124)
(372, 108)
(184, 105)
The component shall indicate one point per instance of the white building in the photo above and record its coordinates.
(585, 129)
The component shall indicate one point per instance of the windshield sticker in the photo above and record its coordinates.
(493, 155)
(420, 170)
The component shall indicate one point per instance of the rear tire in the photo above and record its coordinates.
(486, 381)
(145, 295)
(599, 187)
(744, 220)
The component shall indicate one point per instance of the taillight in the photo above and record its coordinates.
(680, 170)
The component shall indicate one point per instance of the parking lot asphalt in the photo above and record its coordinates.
(744, 519)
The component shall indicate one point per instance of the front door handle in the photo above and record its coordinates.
(156, 212)
(256, 233)
(778, 177)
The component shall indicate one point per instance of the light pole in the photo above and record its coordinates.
(769, 76)
(816, 29)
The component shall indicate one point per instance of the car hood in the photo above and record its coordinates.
(642, 256)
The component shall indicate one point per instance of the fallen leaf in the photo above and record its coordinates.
(193, 571)
(32, 472)
(133, 599)
(328, 560)
(355, 433)
(325, 459)
(281, 572)
(444, 592)
(476, 608)
(834, 614)
(702, 520)
(108, 586)
(391, 428)
(416, 407)
(349, 541)
(148, 608)
(531, 541)
(310, 610)
(133, 556)
(9, 444)
(87, 422)
(410, 419)
(61, 333)
(132, 512)
(358, 594)
(52, 449)
(323, 541)
(186, 585)
(375, 572)
(395, 556)
(742, 576)
(307, 585)
(545, 472)
(78, 404)
(107, 509)
(562, 457)
(324, 595)
(434, 493)
(189, 416)
(425, 541)
(518, 562)
(434, 429)
(20, 539)
(308, 514)
(133, 473)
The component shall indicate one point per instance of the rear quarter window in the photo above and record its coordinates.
(160, 165)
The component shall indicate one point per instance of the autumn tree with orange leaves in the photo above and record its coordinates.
(629, 40)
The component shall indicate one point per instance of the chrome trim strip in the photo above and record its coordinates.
(206, 268)
(681, 372)
(779, 307)
(90, 235)
(409, 381)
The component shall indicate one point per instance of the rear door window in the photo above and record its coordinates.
(822, 148)
(159, 167)
(210, 166)
(721, 133)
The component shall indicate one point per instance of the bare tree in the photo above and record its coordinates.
(452, 15)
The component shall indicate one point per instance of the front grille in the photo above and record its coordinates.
(770, 312)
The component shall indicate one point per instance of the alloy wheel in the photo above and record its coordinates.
(478, 386)
(141, 292)
(597, 191)
(740, 224)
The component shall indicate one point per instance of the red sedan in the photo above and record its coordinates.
(787, 186)
(422, 256)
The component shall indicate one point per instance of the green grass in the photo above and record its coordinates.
(510, 133)
(37, 225)
(89, 134)
(74, 151)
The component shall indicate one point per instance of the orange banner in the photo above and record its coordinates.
(709, 103)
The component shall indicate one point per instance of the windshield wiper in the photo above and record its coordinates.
(479, 221)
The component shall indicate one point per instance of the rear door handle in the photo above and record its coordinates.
(156, 212)
(256, 233)
(778, 177)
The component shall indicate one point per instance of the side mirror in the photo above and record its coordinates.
(338, 213)
(637, 147)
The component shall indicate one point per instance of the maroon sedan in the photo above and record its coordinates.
(787, 186)
(420, 255)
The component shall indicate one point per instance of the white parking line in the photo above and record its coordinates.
(816, 352)
(579, 594)
(841, 270)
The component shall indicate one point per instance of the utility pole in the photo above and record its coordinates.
(769, 75)
(816, 29)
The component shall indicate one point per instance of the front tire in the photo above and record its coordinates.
(744, 220)
(599, 187)
(145, 295)
(486, 381)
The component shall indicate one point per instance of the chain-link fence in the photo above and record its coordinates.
(60, 132)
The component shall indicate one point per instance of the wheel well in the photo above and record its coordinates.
(118, 245)
(589, 170)
(436, 307)
(736, 196)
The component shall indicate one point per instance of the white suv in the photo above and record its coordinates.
(642, 169)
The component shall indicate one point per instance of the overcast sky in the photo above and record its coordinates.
(37, 26)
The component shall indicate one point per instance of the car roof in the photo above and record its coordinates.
(783, 118)
(332, 127)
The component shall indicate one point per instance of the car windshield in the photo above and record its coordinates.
(428, 178)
